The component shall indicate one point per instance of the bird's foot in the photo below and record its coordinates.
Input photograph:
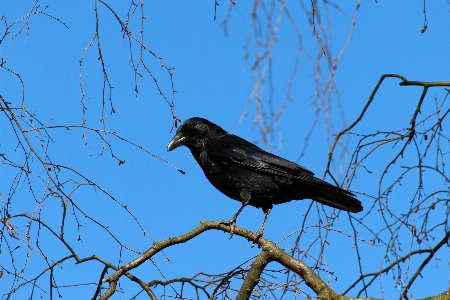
(256, 237)
(232, 224)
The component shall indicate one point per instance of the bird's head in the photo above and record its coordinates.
(194, 133)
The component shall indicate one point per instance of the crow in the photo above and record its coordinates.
(246, 173)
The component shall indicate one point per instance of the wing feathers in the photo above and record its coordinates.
(232, 148)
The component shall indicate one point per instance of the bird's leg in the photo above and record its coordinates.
(261, 229)
(232, 221)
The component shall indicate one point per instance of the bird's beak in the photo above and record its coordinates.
(177, 141)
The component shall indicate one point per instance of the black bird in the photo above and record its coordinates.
(246, 173)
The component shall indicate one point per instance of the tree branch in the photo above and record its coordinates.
(254, 275)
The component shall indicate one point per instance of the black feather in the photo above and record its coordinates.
(245, 172)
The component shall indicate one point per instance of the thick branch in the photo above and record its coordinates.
(254, 275)
(270, 252)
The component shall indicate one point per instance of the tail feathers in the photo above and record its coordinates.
(323, 192)
(339, 198)
(348, 203)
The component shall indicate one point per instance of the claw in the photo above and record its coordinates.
(232, 224)
(256, 237)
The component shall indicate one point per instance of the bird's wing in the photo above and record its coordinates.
(232, 149)
(235, 151)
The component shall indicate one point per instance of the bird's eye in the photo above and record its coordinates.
(186, 130)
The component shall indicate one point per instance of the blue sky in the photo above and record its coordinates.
(213, 80)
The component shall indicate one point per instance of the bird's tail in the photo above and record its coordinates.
(345, 202)
(336, 197)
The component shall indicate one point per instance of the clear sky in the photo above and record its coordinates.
(213, 79)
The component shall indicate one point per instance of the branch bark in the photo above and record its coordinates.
(270, 252)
